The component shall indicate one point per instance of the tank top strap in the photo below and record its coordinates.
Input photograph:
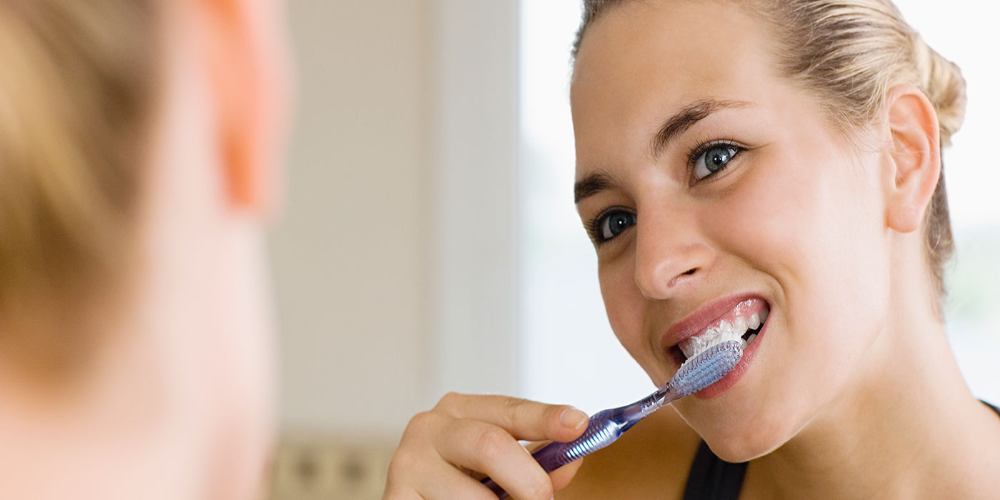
(712, 478)
(994, 408)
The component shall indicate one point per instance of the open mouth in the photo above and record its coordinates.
(742, 324)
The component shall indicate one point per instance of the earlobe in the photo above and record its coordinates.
(915, 156)
(242, 176)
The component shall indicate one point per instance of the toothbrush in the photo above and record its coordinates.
(607, 426)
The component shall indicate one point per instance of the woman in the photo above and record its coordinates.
(137, 138)
(779, 156)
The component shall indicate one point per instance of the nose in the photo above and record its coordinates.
(671, 254)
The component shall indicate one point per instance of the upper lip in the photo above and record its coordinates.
(698, 321)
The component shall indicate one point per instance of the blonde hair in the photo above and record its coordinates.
(75, 92)
(851, 53)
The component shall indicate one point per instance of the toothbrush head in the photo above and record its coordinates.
(706, 368)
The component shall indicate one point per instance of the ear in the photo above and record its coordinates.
(244, 58)
(915, 157)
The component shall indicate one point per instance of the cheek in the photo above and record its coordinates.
(624, 305)
(813, 224)
(616, 290)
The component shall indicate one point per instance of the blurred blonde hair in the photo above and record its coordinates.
(75, 91)
(850, 53)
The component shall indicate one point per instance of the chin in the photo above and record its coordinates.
(742, 443)
(743, 450)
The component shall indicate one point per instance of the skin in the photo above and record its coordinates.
(854, 392)
(177, 400)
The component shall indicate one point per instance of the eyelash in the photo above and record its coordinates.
(704, 147)
(598, 220)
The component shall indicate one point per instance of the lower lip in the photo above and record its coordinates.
(736, 373)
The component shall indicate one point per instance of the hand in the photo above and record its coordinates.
(444, 452)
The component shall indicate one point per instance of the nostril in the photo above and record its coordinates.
(682, 277)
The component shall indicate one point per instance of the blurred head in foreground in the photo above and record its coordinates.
(139, 145)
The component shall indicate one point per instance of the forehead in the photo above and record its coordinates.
(641, 62)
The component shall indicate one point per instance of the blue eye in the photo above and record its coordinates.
(713, 159)
(612, 224)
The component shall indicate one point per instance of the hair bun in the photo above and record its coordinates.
(942, 80)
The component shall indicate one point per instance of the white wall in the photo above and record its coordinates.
(349, 254)
(475, 195)
(394, 259)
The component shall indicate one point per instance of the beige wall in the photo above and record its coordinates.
(394, 263)
(350, 252)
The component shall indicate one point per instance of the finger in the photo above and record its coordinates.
(404, 466)
(528, 420)
(486, 448)
(394, 493)
(562, 476)
(426, 475)
(444, 482)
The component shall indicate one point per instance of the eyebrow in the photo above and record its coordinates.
(686, 118)
(591, 185)
(674, 126)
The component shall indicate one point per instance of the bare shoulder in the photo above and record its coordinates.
(651, 460)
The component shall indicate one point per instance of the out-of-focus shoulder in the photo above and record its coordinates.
(652, 460)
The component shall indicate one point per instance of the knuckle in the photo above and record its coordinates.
(450, 401)
(512, 409)
(421, 423)
(541, 489)
(401, 463)
(492, 443)
(418, 433)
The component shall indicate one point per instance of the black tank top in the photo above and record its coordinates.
(711, 478)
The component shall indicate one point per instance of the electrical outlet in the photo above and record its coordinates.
(329, 469)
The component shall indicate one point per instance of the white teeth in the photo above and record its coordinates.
(740, 325)
(693, 346)
(723, 332)
(718, 334)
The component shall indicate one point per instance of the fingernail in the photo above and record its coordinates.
(573, 418)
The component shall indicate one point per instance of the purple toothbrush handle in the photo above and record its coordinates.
(606, 426)
(603, 429)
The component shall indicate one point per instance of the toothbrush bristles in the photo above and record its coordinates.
(707, 368)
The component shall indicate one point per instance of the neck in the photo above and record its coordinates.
(166, 407)
(906, 416)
